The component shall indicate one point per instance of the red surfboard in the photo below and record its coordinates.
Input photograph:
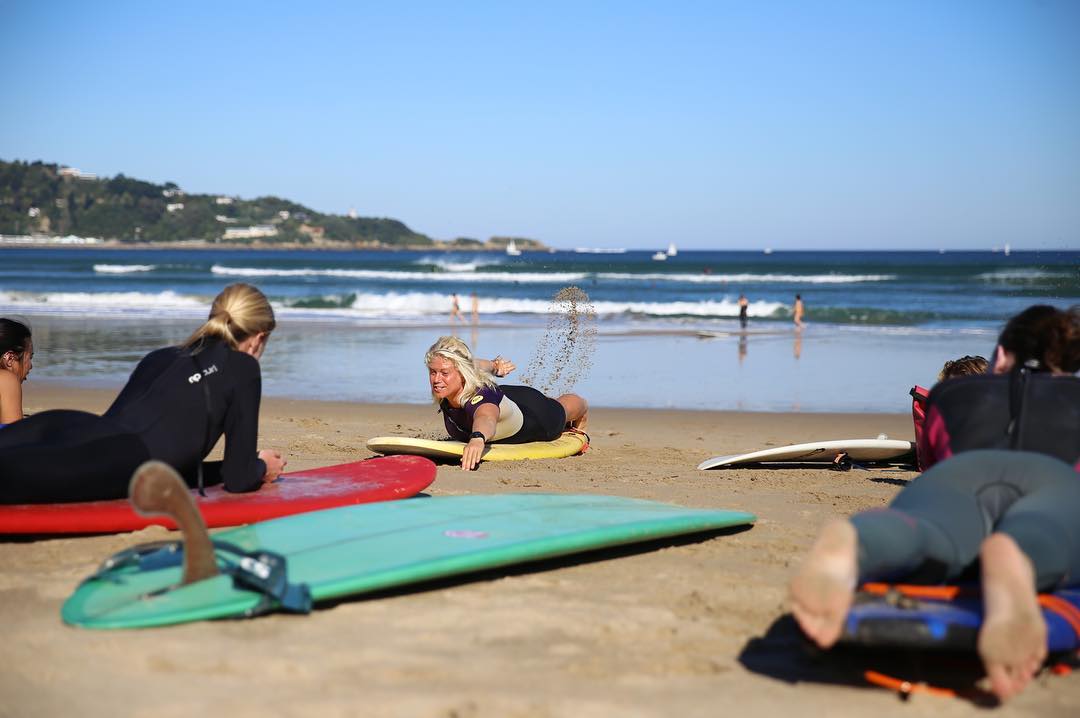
(361, 482)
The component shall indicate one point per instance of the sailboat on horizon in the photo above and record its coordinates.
(512, 250)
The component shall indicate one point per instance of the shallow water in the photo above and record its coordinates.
(823, 369)
(354, 325)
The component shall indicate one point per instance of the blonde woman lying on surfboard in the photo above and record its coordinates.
(478, 411)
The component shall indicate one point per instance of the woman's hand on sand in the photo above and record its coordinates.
(501, 367)
(470, 458)
(274, 461)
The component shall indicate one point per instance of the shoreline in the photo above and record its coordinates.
(201, 244)
(660, 631)
(362, 247)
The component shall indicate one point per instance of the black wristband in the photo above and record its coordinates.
(478, 435)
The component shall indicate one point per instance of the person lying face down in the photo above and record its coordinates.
(478, 411)
(16, 361)
(176, 405)
(1010, 515)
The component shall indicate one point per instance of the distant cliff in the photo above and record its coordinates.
(40, 198)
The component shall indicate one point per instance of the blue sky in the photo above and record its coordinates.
(906, 124)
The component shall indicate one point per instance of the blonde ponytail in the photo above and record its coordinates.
(240, 311)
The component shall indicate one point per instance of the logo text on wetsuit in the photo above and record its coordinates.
(198, 376)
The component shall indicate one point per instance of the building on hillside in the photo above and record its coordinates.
(224, 200)
(225, 220)
(174, 207)
(73, 173)
(317, 234)
(253, 232)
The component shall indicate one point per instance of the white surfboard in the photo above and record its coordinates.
(818, 452)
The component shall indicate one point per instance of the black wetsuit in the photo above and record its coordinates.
(1020, 410)
(932, 530)
(525, 415)
(162, 413)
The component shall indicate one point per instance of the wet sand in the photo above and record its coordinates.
(672, 631)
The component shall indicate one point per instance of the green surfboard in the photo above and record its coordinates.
(359, 549)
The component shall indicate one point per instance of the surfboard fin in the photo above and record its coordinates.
(156, 489)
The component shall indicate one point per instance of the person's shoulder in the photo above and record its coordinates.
(242, 362)
(485, 394)
(170, 352)
(161, 357)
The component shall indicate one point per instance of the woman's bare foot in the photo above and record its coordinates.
(581, 423)
(577, 411)
(824, 588)
(1012, 640)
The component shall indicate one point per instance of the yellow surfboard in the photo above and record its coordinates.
(570, 443)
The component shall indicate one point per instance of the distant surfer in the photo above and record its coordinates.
(16, 361)
(478, 411)
(798, 311)
(177, 403)
(744, 307)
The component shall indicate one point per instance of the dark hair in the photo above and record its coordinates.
(964, 366)
(1044, 338)
(13, 336)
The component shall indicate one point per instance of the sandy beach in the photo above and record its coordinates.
(674, 630)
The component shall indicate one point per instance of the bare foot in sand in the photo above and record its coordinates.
(1012, 641)
(824, 587)
(582, 423)
(577, 411)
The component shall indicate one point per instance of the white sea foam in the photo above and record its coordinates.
(104, 303)
(405, 276)
(472, 276)
(1019, 275)
(749, 278)
(423, 304)
(123, 268)
(599, 250)
(448, 264)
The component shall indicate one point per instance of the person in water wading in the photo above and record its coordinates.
(177, 403)
(478, 411)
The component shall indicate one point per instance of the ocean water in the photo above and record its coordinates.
(354, 325)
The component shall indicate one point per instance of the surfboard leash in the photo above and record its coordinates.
(574, 430)
(262, 572)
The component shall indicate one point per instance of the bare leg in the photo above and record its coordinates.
(577, 410)
(1012, 641)
(824, 588)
